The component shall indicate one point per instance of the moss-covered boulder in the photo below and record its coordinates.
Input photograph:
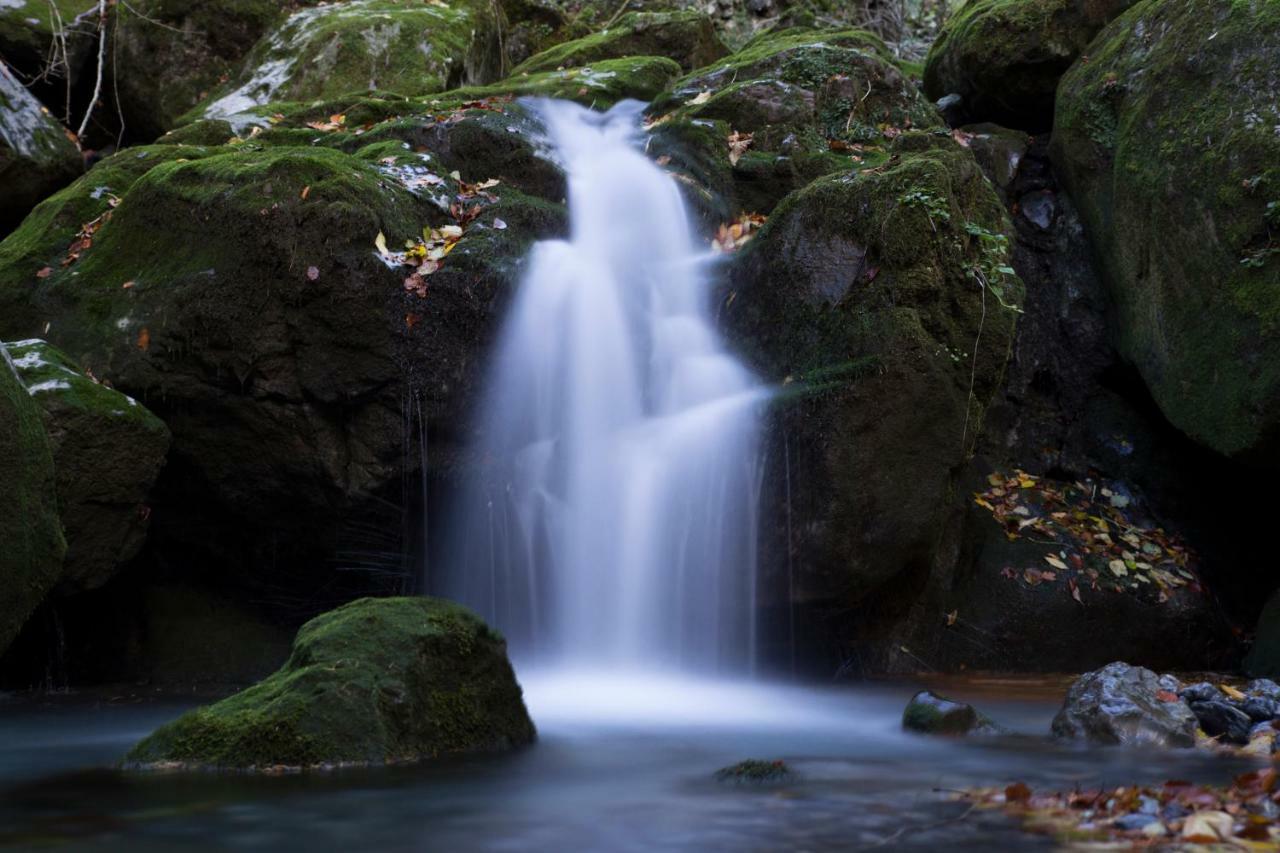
(31, 542)
(107, 453)
(797, 103)
(1166, 139)
(170, 54)
(410, 48)
(689, 38)
(376, 681)
(1004, 57)
(36, 154)
(883, 303)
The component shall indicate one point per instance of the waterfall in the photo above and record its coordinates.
(613, 522)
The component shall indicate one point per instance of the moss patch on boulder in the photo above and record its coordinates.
(1005, 57)
(376, 681)
(689, 38)
(1167, 140)
(107, 452)
(33, 546)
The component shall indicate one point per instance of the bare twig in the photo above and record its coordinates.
(102, 62)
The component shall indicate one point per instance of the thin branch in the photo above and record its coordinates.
(102, 62)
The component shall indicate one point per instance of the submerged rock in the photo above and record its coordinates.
(754, 771)
(1004, 57)
(31, 542)
(107, 452)
(931, 714)
(1166, 139)
(376, 681)
(36, 154)
(1123, 704)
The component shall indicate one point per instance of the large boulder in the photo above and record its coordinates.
(107, 453)
(376, 681)
(31, 536)
(37, 156)
(361, 46)
(1166, 140)
(1122, 704)
(687, 37)
(1004, 57)
(882, 304)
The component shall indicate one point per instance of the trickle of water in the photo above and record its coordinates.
(614, 523)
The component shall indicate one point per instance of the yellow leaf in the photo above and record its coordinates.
(702, 97)
(1231, 692)
(1118, 568)
(1055, 562)
(381, 242)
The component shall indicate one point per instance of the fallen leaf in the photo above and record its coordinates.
(952, 617)
(738, 145)
(1018, 792)
(381, 243)
(1055, 562)
(499, 224)
(313, 273)
(127, 285)
(144, 339)
(1118, 568)
(701, 98)
(44, 272)
(306, 191)
(1231, 692)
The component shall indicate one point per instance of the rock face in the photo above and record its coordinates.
(883, 304)
(33, 545)
(930, 714)
(1004, 57)
(687, 37)
(376, 681)
(36, 156)
(107, 452)
(27, 32)
(1166, 140)
(363, 46)
(1264, 658)
(1122, 704)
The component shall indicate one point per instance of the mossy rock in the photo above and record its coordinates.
(1005, 57)
(28, 29)
(31, 542)
(884, 304)
(107, 453)
(814, 102)
(376, 681)
(170, 54)
(36, 154)
(689, 38)
(362, 46)
(1166, 139)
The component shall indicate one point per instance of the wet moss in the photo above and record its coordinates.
(376, 681)
(689, 38)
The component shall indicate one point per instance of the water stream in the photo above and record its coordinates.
(614, 523)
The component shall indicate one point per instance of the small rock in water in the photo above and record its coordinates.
(1135, 822)
(1202, 692)
(931, 714)
(1220, 720)
(755, 771)
(1122, 704)
(1260, 709)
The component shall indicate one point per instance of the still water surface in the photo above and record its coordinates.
(621, 764)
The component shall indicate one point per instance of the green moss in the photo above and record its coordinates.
(50, 375)
(686, 37)
(379, 680)
(1168, 147)
(36, 155)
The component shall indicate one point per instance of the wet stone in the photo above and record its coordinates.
(1220, 720)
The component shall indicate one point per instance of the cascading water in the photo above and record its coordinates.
(614, 523)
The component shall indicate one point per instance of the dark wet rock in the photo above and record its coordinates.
(1260, 709)
(931, 714)
(1221, 720)
(107, 452)
(374, 682)
(1121, 704)
(1264, 658)
(1201, 692)
(28, 30)
(1004, 57)
(755, 772)
(36, 157)
(31, 535)
(857, 298)
(1264, 688)
(1166, 141)
(1135, 822)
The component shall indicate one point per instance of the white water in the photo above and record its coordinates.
(614, 524)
